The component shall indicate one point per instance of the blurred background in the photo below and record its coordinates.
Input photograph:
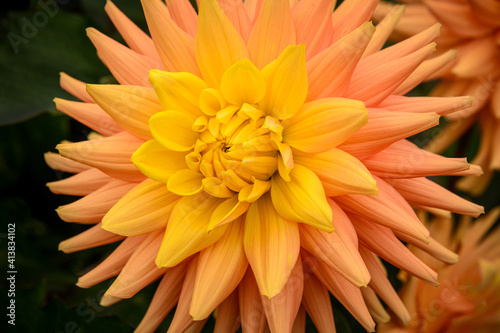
(41, 38)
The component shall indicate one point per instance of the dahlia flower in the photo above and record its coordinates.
(471, 29)
(467, 299)
(254, 158)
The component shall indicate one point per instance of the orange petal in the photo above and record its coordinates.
(271, 245)
(144, 209)
(140, 270)
(381, 285)
(58, 162)
(183, 13)
(113, 264)
(220, 269)
(93, 207)
(111, 155)
(137, 39)
(75, 87)
(271, 33)
(252, 314)
(389, 208)
(340, 58)
(426, 104)
(127, 66)
(313, 24)
(130, 106)
(344, 291)
(89, 114)
(282, 309)
(350, 15)
(92, 237)
(317, 302)
(385, 128)
(387, 246)
(228, 315)
(165, 298)
(175, 47)
(80, 184)
(236, 13)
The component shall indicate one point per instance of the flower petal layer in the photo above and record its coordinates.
(173, 130)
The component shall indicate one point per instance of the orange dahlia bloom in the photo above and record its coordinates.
(467, 299)
(472, 28)
(254, 158)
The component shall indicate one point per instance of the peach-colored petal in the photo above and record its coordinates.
(75, 87)
(89, 114)
(113, 264)
(183, 13)
(182, 319)
(271, 245)
(252, 314)
(384, 29)
(140, 270)
(387, 246)
(281, 318)
(130, 106)
(349, 295)
(126, 65)
(381, 285)
(220, 269)
(313, 24)
(374, 305)
(61, 163)
(236, 13)
(375, 84)
(389, 208)
(426, 104)
(350, 15)
(404, 159)
(425, 70)
(165, 298)
(92, 237)
(228, 318)
(111, 155)
(144, 209)
(316, 301)
(336, 249)
(434, 248)
(299, 325)
(80, 184)
(385, 128)
(271, 33)
(340, 58)
(137, 39)
(175, 47)
(92, 208)
(424, 192)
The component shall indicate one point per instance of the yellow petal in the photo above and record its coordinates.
(212, 101)
(302, 199)
(272, 246)
(243, 83)
(323, 124)
(216, 187)
(144, 209)
(218, 45)
(228, 211)
(187, 229)
(286, 79)
(157, 162)
(272, 33)
(173, 130)
(177, 91)
(340, 172)
(130, 106)
(220, 269)
(185, 182)
(253, 192)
